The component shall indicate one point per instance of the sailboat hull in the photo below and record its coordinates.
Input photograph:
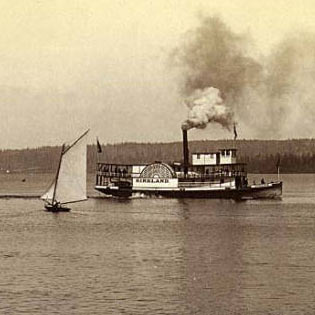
(56, 208)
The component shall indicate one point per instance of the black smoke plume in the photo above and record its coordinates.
(272, 97)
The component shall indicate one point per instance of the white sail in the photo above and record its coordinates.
(71, 182)
(71, 177)
(48, 195)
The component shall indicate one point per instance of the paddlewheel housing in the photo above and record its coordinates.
(158, 170)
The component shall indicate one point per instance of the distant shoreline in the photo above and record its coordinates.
(296, 155)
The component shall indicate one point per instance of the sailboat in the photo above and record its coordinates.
(69, 184)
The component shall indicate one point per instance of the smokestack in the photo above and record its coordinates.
(185, 151)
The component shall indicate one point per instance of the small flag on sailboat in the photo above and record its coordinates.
(99, 147)
(235, 132)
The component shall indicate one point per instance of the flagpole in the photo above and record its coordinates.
(235, 135)
(278, 173)
(278, 166)
(97, 154)
(97, 160)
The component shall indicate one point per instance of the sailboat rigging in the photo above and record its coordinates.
(69, 185)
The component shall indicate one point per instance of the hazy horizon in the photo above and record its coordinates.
(106, 65)
(91, 143)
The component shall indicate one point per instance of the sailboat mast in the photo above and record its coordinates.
(76, 141)
(57, 174)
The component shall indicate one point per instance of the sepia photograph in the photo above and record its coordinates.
(157, 157)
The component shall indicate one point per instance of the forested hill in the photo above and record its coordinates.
(297, 156)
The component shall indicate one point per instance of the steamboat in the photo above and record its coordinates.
(204, 175)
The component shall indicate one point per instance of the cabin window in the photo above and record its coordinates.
(198, 156)
(227, 153)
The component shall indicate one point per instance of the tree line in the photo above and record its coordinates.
(261, 156)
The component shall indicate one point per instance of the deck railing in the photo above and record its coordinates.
(116, 172)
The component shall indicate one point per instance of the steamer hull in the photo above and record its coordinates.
(264, 191)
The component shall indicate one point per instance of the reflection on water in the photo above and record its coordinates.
(159, 256)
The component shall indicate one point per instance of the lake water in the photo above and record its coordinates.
(157, 256)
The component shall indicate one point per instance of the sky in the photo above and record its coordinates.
(67, 66)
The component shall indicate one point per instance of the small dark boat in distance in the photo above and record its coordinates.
(56, 207)
(209, 175)
(69, 185)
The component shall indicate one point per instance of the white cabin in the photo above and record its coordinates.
(204, 158)
(224, 156)
(228, 156)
